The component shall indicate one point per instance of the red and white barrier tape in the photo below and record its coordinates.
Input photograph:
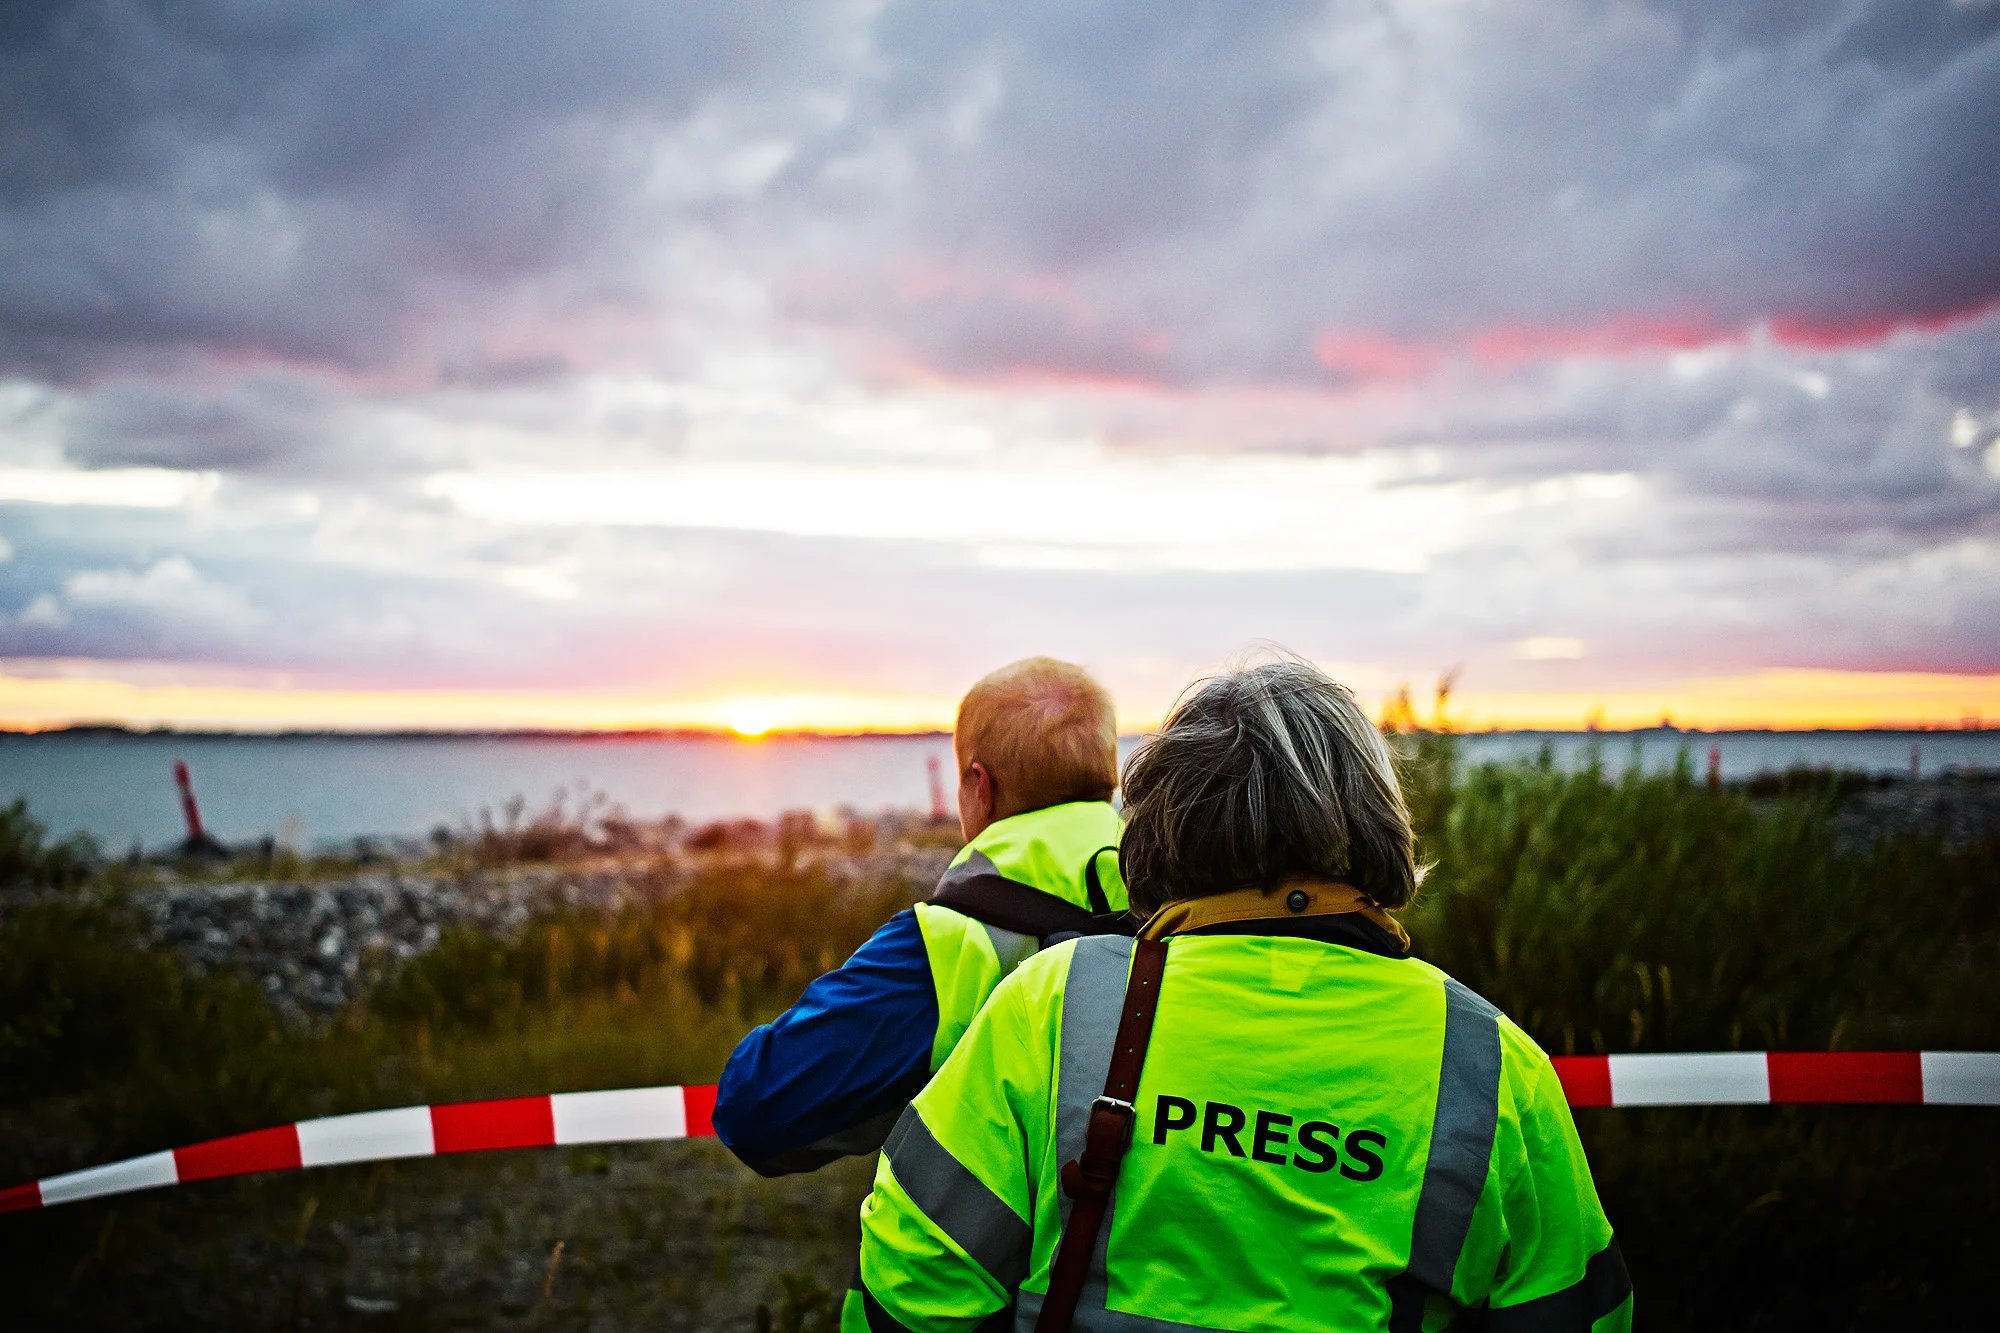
(627, 1116)
(632, 1115)
(1756, 1078)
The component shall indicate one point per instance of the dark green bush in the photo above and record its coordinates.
(140, 1053)
(28, 859)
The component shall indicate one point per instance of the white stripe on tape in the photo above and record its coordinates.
(1961, 1078)
(1722, 1079)
(134, 1173)
(623, 1115)
(370, 1136)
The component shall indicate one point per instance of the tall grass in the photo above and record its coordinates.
(1650, 912)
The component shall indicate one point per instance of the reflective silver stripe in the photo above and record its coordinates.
(976, 866)
(1093, 999)
(958, 1202)
(1011, 947)
(1097, 1319)
(1468, 1106)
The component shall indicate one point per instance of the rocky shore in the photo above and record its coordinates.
(1959, 810)
(314, 945)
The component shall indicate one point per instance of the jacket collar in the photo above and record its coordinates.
(1049, 850)
(1272, 911)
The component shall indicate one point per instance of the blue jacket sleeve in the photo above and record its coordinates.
(829, 1076)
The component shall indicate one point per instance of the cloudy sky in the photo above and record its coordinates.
(469, 361)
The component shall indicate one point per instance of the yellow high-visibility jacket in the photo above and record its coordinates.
(1329, 1136)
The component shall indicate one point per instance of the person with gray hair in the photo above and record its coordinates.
(1263, 775)
(1263, 1113)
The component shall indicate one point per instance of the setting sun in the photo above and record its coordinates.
(749, 720)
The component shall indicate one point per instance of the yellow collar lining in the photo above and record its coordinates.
(1323, 898)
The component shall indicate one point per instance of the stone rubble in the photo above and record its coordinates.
(314, 946)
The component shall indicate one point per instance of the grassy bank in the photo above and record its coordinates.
(1605, 912)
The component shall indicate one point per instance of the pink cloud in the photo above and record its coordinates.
(1519, 344)
(1810, 333)
(1370, 356)
(1379, 358)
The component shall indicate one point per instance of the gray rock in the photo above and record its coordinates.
(314, 947)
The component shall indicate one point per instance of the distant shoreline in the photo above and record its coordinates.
(451, 734)
(116, 731)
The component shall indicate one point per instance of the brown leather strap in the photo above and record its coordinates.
(1088, 1180)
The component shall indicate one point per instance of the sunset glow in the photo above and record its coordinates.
(1777, 699)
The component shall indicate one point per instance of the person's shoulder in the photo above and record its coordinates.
(1521, 1054)
(1035, 987)
(1519, 1051)
(1525, 1071)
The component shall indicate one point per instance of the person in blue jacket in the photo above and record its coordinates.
(1036, 747)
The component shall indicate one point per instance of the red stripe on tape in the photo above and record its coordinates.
(1586, 1079)
(19, 1198)
(700, 1104)
(1846, 1076)
(516, 1122)
(239, 1154)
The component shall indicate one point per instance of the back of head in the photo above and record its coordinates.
(1260, 775)
(1045, 731)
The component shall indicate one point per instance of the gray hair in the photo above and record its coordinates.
(1260, 775)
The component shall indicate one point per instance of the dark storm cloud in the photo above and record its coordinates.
(261, 425)
(1432, 172)
(1213, 186)
(313, 182)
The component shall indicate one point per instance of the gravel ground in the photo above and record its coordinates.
(652, 1236)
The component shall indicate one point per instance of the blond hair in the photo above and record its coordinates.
(1045, 731)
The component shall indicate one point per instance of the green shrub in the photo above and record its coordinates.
(28, 859)
(142, 1053)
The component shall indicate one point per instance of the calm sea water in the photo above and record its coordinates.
(317, 790)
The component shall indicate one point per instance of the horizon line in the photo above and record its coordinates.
(892, 733)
